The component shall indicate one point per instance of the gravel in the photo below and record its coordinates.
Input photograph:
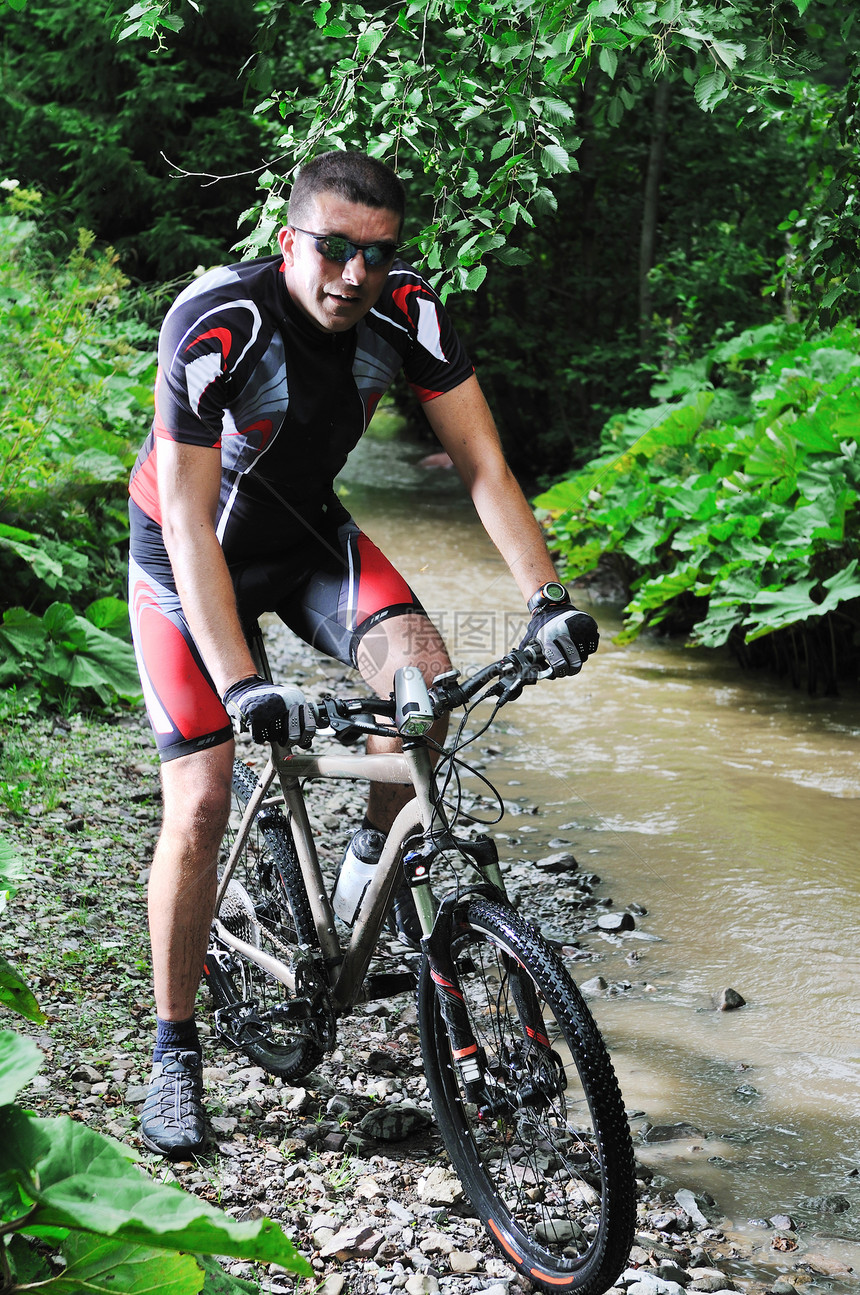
(371, 1214)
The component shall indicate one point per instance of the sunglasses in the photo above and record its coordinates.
(335, 247)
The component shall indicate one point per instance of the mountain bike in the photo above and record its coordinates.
(520, 1080)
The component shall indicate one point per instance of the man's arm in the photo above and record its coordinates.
(464, 425)
(189, 483)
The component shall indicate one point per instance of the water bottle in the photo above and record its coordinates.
(356, 872)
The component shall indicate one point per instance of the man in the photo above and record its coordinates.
(268, 373)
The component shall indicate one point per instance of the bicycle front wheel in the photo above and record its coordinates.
(543, 1148)
(265, 905)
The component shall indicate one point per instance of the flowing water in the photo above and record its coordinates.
(728, 806)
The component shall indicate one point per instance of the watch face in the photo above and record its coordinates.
(554, 592)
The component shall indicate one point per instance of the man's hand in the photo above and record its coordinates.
(271, 713)
(567, 636)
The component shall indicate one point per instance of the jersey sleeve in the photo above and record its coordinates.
(436, 360)
(202, 339)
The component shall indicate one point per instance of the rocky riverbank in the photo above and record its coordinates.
(349, 1163)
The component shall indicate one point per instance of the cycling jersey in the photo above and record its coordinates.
(241, 367)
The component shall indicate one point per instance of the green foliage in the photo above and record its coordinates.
(733, 505)
(822, 232)
(69, 1192)
(74, 387)
(123, 139)
(75, 397)
(475, 101)
(63, 650)
(115, 1228)
(14, 993)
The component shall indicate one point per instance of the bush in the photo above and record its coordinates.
(76, 377)
(731, 507)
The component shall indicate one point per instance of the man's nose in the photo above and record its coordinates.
(355, 271)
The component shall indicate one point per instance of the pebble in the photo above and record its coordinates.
(302, 1152)
(440, 1187)
(729, 1000)
(616, 922)
(670, 1132)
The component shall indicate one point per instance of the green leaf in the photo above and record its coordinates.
(109, 614)
(218, 1282)
(78, 1179)
(710, 89)
(728, 52)
(16, 996)
(22, 633)
(777, 608)
(554, 159)
(87, 657)
(12, 869)
(475, 278)
(608, 60)
(20, 1060)
(101, 1266)
(370, 41)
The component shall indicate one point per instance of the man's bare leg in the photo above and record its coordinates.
(399, 641)
(182, 884)
(182, 881)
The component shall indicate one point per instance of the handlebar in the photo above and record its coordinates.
(505, 678)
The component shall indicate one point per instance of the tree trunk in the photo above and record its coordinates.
(651, 209)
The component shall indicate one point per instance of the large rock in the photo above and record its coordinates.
(359, 1242)
(440, 1187)
(394, 1123)
(670, 1132)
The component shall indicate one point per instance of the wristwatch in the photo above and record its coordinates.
(552, 594)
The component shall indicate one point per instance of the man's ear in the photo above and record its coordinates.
(286, 238)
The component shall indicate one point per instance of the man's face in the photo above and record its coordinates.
(334, 296)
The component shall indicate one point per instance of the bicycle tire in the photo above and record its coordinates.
(267, 905)
(548, 1161)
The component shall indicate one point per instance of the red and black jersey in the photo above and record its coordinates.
(242, 368)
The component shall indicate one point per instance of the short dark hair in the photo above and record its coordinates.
(351, 175)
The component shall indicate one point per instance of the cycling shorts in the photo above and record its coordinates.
(329, 590)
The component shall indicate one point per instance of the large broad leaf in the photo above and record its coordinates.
(22, 633)
(109, 614)
(12, 869)
(44, 565)
(87, 657)
(78, 1179)
(774, 609)
(101, 1266)
(20, 1060)
(16, 996)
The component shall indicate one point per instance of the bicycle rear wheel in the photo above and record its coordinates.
(266, 906)
(545, 1152)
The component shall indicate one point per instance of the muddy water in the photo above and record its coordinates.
(729, 807)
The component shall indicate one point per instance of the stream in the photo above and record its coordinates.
(725, 804)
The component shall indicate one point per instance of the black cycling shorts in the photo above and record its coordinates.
(330, 590)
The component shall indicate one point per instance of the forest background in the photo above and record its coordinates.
(644, 216)
(642, 213)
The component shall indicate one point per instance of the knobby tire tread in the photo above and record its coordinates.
(286, 1061)
(486, 928)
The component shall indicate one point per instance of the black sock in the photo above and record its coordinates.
(179, 1036)
(371, 827)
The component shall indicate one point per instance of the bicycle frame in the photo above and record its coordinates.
(346, 966)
